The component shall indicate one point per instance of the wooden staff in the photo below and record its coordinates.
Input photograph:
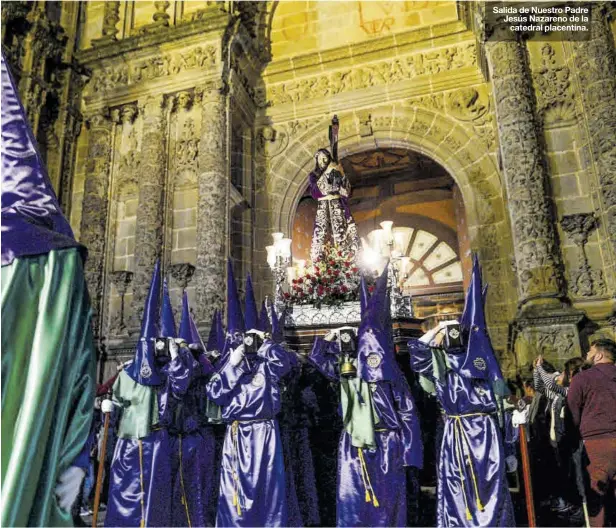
(101, 470)
(528, 485)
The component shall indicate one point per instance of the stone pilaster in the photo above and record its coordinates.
(111, 17)
(95, 201)
(595, 61)
(212, 205)
(151, 181)
(537, 259)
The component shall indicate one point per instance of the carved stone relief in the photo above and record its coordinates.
(111, 77)
(94, 215)
(377, 74)
(583, 281)
(595, 64)
(553, 87)
(148, 228)
(538, 265)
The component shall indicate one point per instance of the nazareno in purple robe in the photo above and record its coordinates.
(250, 398)
(472, 483)
(183, 449)
(298, 407)
(398, 444)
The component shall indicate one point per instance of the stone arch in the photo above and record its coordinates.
(445, 140)
(470, 164)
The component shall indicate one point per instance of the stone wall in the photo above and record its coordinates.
(202, 119)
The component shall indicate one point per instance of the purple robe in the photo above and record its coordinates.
(298, 408)
(183, 449)
(472, 484)
(398, 444)
(252, 453)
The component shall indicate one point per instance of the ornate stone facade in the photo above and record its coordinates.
(537, 260)
(95, 202)
(203, 119)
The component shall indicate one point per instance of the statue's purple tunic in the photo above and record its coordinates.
(250, 398)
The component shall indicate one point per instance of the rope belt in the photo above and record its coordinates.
(366, 479)
(461, 437)
(237, 498)
(142, 524)
(184, 499)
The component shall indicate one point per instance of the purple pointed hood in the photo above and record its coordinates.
(277, 325)
(480, 361)
(190, 334)
(144, 369)
(376, 357)
(167, 321)
(264, 320)
(32, 222)
(213, 341)
(235, 319)
(251, 317)
(220, 331)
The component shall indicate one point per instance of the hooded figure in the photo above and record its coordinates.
(265, 324)
(135, 393)
(247, 387)
(182, 468)
(48, 360)
(381, 434)
(472, 485)
(298, 409)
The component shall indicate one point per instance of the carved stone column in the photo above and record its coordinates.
(595, 61)
(151, 179)
(537, 258)
(95, 201)
(212, 205)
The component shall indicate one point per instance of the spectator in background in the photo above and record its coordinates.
(562, 438)
(592, 402)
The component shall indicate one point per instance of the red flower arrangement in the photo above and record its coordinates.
(330, 281)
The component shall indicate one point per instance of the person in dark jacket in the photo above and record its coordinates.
(592, 402)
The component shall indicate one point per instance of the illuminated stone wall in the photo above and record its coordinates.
(155, 105)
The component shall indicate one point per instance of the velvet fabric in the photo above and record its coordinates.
(183, 450)
(252, 482)
(472, 484)
(298, 409)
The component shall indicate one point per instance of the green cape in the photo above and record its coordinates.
(48, 382)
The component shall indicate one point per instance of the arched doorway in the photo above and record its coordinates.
(426, 206)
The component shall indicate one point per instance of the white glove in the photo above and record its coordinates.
(107, 406)
(236, 356)
(173, 349)
(428, 337)
(68, 486)
(346, 328)
(258, 332)
(512, 464)
(443, 324)
(331, 335)
(519, 417)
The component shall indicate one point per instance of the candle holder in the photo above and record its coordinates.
(279, 258)
(121, 280)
